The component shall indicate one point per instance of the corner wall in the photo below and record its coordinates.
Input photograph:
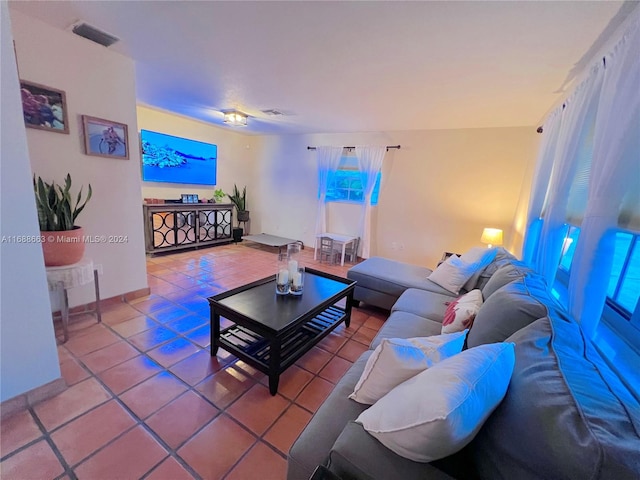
(438, 191)
(28, 353)
(100, 83)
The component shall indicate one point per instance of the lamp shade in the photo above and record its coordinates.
(491, 236)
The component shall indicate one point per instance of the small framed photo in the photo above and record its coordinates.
(104, 138)
(44, 107)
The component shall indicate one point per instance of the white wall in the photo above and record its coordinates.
(438, 192)
(99, 83)
(28, 352)
(237, 154)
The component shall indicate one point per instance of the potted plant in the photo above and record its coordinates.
(62, 239)
(218, 195)
(240, 201)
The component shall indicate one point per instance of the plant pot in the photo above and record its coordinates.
(243, 215)
(63, 247)
(237, 234)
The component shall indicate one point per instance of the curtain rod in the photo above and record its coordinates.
(352, 148)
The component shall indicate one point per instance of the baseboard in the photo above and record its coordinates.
(143, 292)
(48, 390)
(32, 397)
(105, 302)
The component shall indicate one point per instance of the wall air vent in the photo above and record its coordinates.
(90, 32)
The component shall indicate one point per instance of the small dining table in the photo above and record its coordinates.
(339, 240)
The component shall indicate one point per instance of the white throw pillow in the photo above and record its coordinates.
(452, 274)
(479, 257)
(439, 411)
(461, 313)
(398, 359)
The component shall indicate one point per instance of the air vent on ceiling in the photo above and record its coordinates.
(273, 112)
(92, 33)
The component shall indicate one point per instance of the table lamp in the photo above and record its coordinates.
(491, 236)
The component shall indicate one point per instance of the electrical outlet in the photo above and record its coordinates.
(394, 245)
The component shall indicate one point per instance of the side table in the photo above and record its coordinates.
(61, 279)
(446, 255)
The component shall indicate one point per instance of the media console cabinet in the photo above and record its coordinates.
(173, 226)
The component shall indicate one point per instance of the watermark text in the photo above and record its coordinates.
(64, 239)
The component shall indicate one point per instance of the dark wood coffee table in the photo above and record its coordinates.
(270, 331)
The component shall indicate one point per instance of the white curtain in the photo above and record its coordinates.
(615, 171)
(580, 107)
(328, 163)
(370, 159)
(540, 184)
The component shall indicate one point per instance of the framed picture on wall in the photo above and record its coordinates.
(104, 138)
(44, 108)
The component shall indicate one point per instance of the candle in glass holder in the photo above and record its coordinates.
(283, 276)
(293, 269)
(282, 282)
(297, 282)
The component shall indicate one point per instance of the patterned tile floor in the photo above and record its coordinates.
(146, 400)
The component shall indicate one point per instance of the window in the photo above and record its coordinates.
(345, 185)
(624, 283)
(561, 285)
(618, 334)
(569, 247)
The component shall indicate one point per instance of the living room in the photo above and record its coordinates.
(440, 189)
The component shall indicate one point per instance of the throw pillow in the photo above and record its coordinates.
(460, 313)
(505, 274)
(502, 258)
(481, 258)
(398, 359)
(452, 274)
(510, 308)
(439, 411)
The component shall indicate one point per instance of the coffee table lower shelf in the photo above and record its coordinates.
(274, 355)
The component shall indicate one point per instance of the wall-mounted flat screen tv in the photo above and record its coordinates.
(166, 158)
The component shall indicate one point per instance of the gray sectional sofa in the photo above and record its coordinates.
(566, 414)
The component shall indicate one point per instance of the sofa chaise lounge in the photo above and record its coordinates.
(566, 413)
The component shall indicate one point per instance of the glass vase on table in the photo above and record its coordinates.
(296, 270)
(282, 275)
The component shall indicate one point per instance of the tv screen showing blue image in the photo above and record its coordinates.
(166, 158)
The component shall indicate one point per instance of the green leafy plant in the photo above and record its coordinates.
(56, 209)
(218, 195)
(240, 201)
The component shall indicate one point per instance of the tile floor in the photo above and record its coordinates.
(146, 399)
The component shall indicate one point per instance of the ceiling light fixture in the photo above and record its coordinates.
(235, 118)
